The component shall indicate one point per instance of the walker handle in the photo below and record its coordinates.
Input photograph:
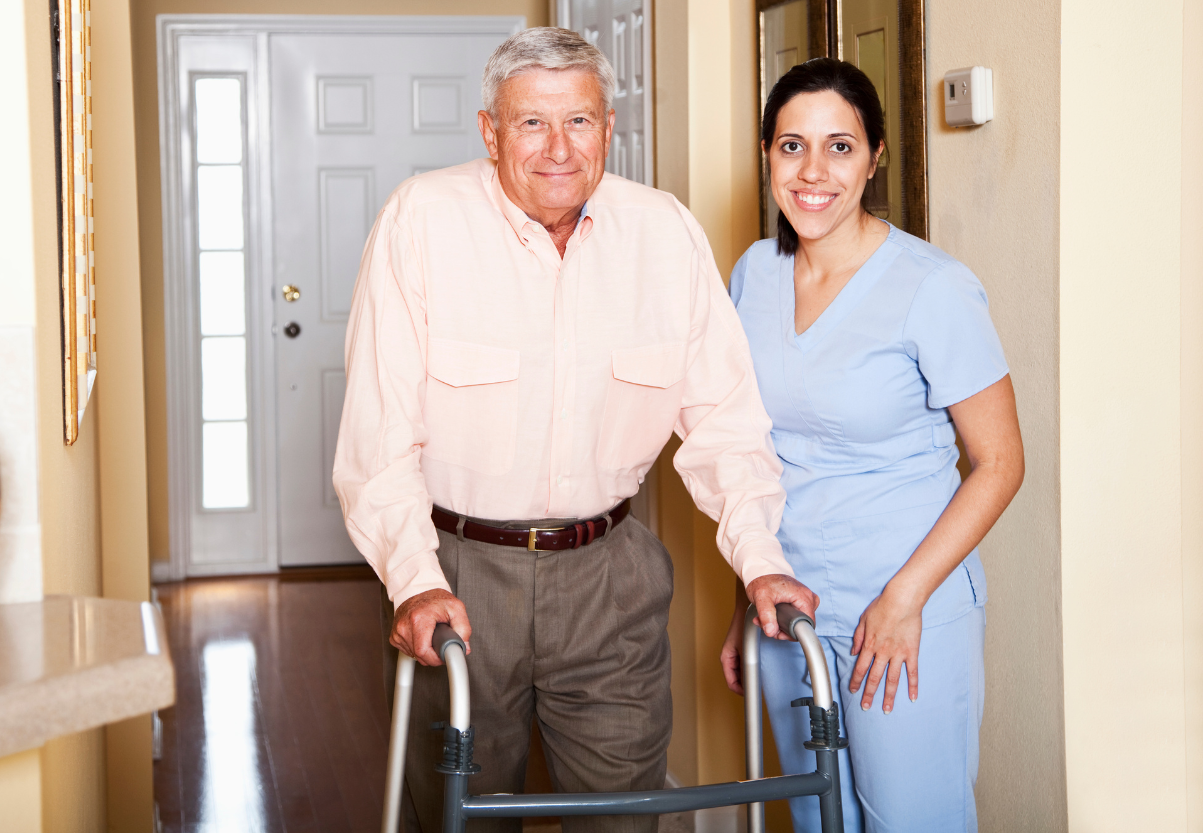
(788, 617)
(445, 636)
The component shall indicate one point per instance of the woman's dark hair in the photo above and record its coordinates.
(815, 76)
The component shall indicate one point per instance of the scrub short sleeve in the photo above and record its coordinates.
(948, 331)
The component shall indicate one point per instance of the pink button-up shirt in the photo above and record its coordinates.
(492, 377)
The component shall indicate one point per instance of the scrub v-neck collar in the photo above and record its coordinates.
(843, 303)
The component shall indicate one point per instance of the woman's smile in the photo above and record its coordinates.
(811, 201)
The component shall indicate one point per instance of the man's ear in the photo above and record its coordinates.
(488, 132)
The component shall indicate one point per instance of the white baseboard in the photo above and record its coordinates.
(161, 572)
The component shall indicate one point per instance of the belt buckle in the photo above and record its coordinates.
(532, 540)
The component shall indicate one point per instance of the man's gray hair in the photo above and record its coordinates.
(544, 47)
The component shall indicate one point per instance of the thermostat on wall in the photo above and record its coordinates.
(968, 96)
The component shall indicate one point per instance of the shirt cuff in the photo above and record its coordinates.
(399, 589)
(762, 558)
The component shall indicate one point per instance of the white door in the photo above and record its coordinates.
(352, 117)
(282, 138)
(622, 31)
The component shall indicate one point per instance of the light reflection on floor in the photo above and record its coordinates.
(232, 796)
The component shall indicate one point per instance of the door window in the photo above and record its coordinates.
(221, 267)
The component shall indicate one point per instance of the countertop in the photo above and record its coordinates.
(70, 663)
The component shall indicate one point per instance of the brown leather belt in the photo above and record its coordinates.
(535, 539)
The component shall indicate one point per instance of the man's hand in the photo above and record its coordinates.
(769, 591)
(414, 621)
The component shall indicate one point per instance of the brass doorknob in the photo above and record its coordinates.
(291, 293)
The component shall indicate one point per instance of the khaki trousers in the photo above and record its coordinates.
(576, 639)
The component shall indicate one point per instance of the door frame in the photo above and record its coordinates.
(178, 217)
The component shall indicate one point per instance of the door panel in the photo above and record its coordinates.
(621, 30)
(352, 117)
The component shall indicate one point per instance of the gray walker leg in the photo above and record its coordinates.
(450, 647)
(825, 735)
(458, 740)
(402, 698)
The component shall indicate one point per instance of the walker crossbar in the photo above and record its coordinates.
(648, 801)
(457, 764)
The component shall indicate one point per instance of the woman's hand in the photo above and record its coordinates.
(886, 637)
(731, 657)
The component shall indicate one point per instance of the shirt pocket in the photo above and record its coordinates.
(466, 382)
(643, 400)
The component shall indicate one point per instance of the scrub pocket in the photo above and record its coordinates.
(642, 405)
(463, 381)
(863, 554)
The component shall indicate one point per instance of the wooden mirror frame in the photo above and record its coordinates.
(825, 36)
(71, 44)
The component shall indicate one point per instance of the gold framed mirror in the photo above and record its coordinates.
(72, 42)
(885, 38)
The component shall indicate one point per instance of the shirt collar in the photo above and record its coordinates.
(523, 225)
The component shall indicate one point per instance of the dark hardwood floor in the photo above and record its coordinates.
(279, 722)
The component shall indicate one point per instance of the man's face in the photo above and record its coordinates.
(550, 139)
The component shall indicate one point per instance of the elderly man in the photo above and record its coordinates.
(527, 331)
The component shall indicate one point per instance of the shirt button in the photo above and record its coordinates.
(564, 413)
(560, 480)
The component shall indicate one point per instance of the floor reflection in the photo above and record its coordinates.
(232, 794)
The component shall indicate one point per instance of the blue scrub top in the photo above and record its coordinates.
(860, 421)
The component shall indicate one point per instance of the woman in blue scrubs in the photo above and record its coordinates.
(873, 349)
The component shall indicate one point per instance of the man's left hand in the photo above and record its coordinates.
(769, 591)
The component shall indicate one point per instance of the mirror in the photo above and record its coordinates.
(885, 38)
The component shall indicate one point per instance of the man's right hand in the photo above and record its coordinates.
(414, 621)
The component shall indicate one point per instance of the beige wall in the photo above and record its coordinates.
(125, 544)
(1192, 405)
(30, 258)
(149, 204)
(707, 121)
(992, 193)
(88, 545)
(1129, 410)
(20, 785)
(72, 768)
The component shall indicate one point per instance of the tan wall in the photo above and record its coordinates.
(72, 768)
(993, 205)
(1129, 410)
(150, 207)
(707, 120)
(21, 778)
(77, 556)
(1192, 406)
(125, 544)
(28, 238)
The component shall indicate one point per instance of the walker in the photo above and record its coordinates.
(457, 764)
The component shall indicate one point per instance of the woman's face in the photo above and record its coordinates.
(819, 163)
